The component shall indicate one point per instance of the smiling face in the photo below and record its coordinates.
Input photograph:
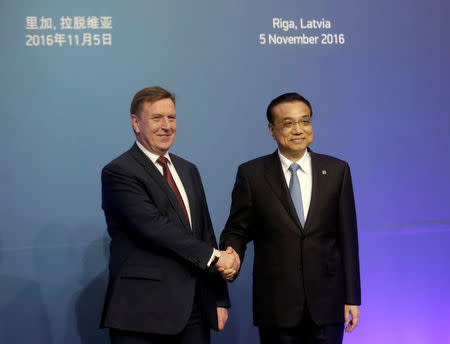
(292, 128)
(155, 125)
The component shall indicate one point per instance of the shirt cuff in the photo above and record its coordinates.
(213, 255)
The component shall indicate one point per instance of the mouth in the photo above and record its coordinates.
(297, 140)
(165, 138)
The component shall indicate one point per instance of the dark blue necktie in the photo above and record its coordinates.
(296, 193)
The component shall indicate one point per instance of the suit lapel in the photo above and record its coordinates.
(319, 177)
(186, 179)
(277, 181)
(159, 179)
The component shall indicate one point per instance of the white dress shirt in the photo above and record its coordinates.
(304, 174)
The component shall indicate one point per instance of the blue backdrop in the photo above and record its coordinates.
(378, 81)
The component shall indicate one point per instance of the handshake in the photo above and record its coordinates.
(228, 264)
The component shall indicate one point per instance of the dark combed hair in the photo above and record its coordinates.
(151, 95)
(286, 98)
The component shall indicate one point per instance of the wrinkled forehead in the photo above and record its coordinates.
(294, 110)
(164, 106)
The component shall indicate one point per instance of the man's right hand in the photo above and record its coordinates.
(228, 264)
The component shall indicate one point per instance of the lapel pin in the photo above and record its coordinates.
(324, 172)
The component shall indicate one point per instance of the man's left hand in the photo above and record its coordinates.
(222, 316)
(350, 324)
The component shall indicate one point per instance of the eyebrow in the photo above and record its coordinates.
(290, 118)
(160, 114)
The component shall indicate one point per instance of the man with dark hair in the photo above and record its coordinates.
(163, 284)
(298, 208)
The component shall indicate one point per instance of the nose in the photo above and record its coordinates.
(297, 128)
(165, 123)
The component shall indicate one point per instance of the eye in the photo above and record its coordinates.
(172, 118)
(156, 118)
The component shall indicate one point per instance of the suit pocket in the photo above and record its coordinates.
(141, 272)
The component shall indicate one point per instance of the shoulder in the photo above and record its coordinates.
(328, 161)
(124, 162)
(182, 163)
(258, 163)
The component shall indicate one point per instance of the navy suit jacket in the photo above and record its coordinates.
(156, 261)
(318, 264)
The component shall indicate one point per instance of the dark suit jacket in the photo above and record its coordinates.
(318, 264)
(155, 259)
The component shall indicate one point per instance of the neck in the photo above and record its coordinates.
(294, 157)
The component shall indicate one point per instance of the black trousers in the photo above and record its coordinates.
(197, 331)
(307, 332)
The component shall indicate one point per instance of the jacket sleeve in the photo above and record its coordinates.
(217, 284)
(349, 240)
(238, 229)
(125, 198)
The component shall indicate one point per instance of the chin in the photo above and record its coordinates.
(166, 144)
(297, 150)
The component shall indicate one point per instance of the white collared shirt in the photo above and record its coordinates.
(153, 157)
(304, 174)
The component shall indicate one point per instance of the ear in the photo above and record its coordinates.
(272, 130)
(135, 123)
